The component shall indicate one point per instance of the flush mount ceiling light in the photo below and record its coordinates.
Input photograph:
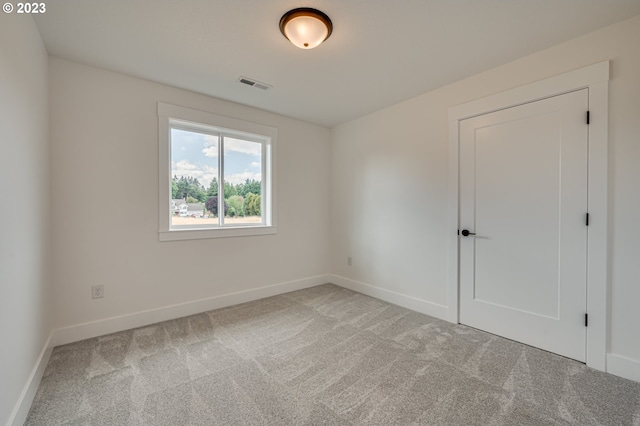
(306, 28)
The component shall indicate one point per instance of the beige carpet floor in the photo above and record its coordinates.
(322, 356)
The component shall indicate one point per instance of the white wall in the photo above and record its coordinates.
(104, 135)
(25, 320)
(389, 181)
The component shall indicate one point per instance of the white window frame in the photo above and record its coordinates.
(205, 122)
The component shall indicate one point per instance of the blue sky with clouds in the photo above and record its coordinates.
(196, 155)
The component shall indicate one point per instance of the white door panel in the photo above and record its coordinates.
(523, 177)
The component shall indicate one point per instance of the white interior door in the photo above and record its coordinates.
(523, 192)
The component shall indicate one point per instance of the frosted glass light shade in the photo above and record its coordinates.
(306, 28)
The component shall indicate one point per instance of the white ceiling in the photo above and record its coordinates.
(381, 51)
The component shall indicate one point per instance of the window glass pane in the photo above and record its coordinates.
(194, 171)
(242, 182)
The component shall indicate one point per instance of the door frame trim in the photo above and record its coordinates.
(595, 78)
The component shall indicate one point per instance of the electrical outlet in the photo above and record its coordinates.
(349, 261)
(97, 291)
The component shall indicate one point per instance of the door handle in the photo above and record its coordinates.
(466, 233)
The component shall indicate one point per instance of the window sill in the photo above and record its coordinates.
(199, 234)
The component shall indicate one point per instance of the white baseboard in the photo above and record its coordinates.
(91, 329)
(409, 302)
(21, 410)
(623, 367)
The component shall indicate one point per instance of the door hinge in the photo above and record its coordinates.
(586, 320)
(587, 219)
(587, 117)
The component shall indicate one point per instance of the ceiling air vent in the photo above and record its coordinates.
(254, 83)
